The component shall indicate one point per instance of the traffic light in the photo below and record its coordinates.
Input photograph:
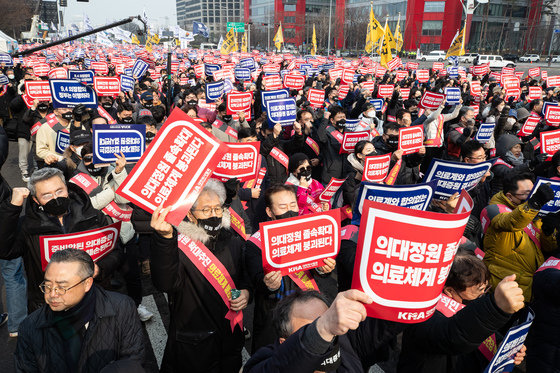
(63, 3)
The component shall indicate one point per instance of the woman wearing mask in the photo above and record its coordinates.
(369, 117)
(355, 164)
(307, 189)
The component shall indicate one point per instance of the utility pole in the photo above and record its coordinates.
(329, 38)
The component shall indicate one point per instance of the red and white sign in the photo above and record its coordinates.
(529, 125)
(534, 72)
(513, 92)
(401, 74)
(423, 75)
(481, 69)
(431, 100)
(38, 89)
(544, 74)
(347, 76)
(405, 93)
(510, 81)
(100, 67)
(175, 167)
(465, 203)
(385, 90)
(412, 65)
(96, 242)
(437, 66)
(294, 81)
(58, 73)
(475, 88)
(301, 243)
(336, 73)
(552, 115)
(376, 168)
(272, 82)
(550, 142)
(535, 93)
(316, 97)
(241, 161)
(553, 81)
(41, 69)
(331, 189)
(369, 85)
(395, 63)
(403, 259)
(350, 139)
(343, 92)
(106, 86)
(411, 139)
(199, 70)
(508, 70)
(239, 101)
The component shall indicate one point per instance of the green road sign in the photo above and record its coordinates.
(236, 26)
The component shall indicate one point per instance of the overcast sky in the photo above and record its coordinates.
(101, 12)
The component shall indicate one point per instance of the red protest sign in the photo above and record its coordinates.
(369, 85)
(96, 242)
(347, 76)
(241, 162)
(199, 70)
(106, 86)
(481, 69)
(553, 81)
(272, 82)
(100, 67)
(395, 63)
(510, 81)
(316, 97)
(464, 204)
(343, 92)
(298, 244)
(423, 76)
(58, 73)
(411, 139)
(475, 88)
(412, 65)
(330, 190)
(529, 125)
(405, 93)
(513, 92)
(550, 142)
(38, 89)
(376, 168)
(335, 73)
(385, 90)
(534, 72)
(294, 81)
(552, 115)
(508, 70)
(239, 101)
(535, 93)
(401, 74)
(403, 259)
(174, 168)
(350, 139)
(41, 69)
(431, 100)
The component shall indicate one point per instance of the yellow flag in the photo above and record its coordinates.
(278, 38)
(398, 38)
(389, 36)
(236, 45)
(178, 42)
(374, 31)
(229, 43)
(134, 39)
(155, 39)
(149, 46)
(314, 42)
(244, 43)
(385, 50)
(457, 47)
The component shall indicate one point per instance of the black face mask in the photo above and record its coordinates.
(211, 225)
(150, 136)
(94, 171)
(192, 102)
(306, 172)
(42, 107)
(286, 215)
(393, 142)
(57, 206)
(149, 105)
(67, 116)
(227, 118)
(127, 120)
(107, 105)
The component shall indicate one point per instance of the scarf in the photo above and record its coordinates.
(513, 160)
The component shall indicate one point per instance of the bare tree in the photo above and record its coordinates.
(16, 16)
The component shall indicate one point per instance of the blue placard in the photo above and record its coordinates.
(242, 74)
(273, 95)
(453, 60)
(127, 83)
(139, 68)
(453, 72)
(281, 111)
(62, 141)
(108, 139)
(87, 62)
(247, 63)
(312, 71)
(352, 125)
(4, 79)
(6, 59)
(452, 95)
(209, 68)
(416, 196)
(67, 93)
(228, 86)
(180, 56)
(547, 104)
(377, 103)
(453, 177)
(327, 66)
(214, 91)
(84, 76)
(503, 361)
(484, 133)
(127, 71)
(554, 205)
(305, 66)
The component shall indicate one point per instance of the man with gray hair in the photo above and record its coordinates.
(54, 208)
(199, 265)
(82, 327)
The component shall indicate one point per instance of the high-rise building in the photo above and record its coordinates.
(48, 12)
(213, 13)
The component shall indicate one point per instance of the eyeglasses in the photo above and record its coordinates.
(481, 158)
(46, 289)
(525, 194)
(209, 210)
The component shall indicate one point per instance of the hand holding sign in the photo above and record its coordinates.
(273, 280)
(509, 296)
(159, 224)
(120, 163)
(345, 313)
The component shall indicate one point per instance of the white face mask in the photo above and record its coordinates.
(11, 76)
(79, 150)
(370, 114)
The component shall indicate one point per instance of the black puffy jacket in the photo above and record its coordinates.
(114, 334)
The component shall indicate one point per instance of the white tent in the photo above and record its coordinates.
(7, 44)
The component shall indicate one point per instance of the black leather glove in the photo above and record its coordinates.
(550, 222)
(539, 158)
(542, 195)
(231, 190)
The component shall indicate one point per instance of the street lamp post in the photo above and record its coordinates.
(329, 39)
(469, 8)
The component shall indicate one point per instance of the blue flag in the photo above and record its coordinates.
(200, 28)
